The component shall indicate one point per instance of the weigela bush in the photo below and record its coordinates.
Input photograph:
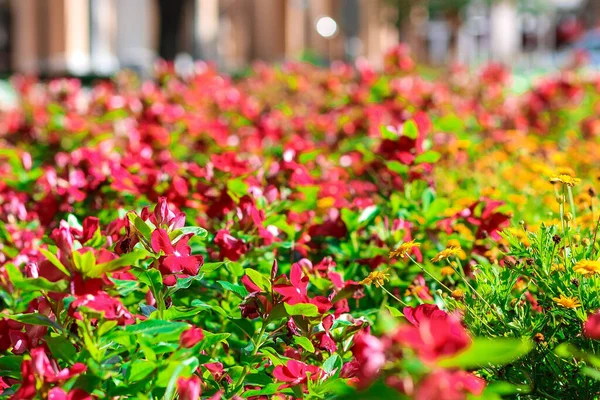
(300, 232)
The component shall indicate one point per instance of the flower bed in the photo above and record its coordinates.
(301, 232)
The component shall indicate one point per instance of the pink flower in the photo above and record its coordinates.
(296, 373)
(190, 337)
(189, 388)
(369, 352)
(449, 385)
(591, 327)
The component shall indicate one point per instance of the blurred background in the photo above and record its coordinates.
(99, 37)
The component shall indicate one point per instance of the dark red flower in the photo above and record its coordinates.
(190, 337)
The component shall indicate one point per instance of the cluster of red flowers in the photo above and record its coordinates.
(432, 334)
(228, 224)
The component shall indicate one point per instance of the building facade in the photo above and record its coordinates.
(100, 36)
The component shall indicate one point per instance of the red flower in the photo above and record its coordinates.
(41, 369)
(326, 342)
(296, 292)
(449, 385)
(190, 337)
(189, 388)
(163, 217)
(110, 307)
(369, 352)
(177, 259)
(414, 315)
(75, 394)
(230, 247)
(296, 373)
(435, 336)
(591, 327)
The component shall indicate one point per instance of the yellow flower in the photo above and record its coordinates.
(458, 294)
(557, 267)
(567, 302)
(587, 267)
(326, 202)
(446, 253)
(565, 179)
(376, 277)
(447, 271)
(402, 250)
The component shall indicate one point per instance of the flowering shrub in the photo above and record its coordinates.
(300, 233)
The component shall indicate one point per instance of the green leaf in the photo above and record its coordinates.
(303, 309)
(333, 363)
(410, 129)
(591, 372)
(62, 348)
(368, 214)
(394, 311)
(173, 371)
(178, 233)
(207, 268)
(155, 326)
(484, 351)
(387, 132)
(55, 261)
(140, 369)
(141, 226)
(237, 289)
(430, 157)
(397, 167)
(32, 284)
(84, 262)
(259, 279)
(151, 277)
(34, 319)
(237, 187)
(450, 123)
(210, 340)
(502, 388)
(305, 343)
(127, 259)
(268, 390)
(10, 366)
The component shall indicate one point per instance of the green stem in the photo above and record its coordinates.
(429, 274)
(572, 202)
(394, 297)
(239, 386)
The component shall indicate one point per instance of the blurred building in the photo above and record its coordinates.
(98, 37)
(101, 36)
